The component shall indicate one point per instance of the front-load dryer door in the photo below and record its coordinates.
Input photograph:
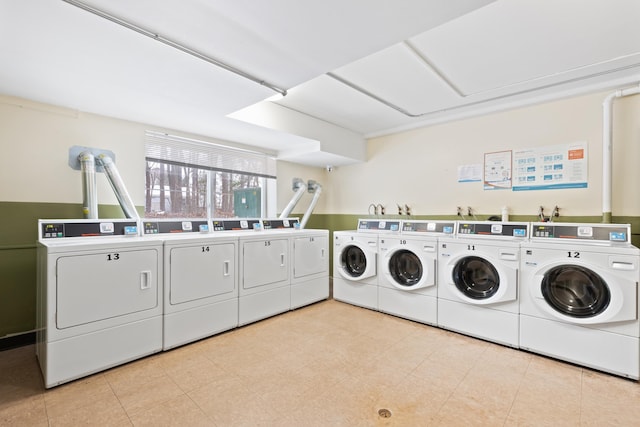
(201, 271)
(408, 269)
(105, 285)
(310, 256)
(265, 262)
(356, 262)
(584, 294)
(481, 280)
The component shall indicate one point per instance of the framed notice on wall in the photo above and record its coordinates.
(552, 167)
(497, 170)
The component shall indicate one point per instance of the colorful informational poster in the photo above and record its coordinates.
(497, 170)
(552, 167)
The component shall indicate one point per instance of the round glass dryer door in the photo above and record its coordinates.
(476, 278)
(405, 268)
(354, 261)
(575, 291)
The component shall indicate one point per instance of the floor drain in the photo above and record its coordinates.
(384, 413)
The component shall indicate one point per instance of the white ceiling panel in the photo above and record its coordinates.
(514, 42)
(399, 76)
(324, 35)
(332, 101)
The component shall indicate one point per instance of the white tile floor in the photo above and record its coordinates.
(329, 364)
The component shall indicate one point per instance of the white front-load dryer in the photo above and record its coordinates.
(309, 251)
(309, 267)
(264, 276)
(201, 280)
(579, 299)
(407, 270)
(478, 280)
(355, 262)
(99, 296)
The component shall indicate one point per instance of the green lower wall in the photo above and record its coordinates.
(18, 235)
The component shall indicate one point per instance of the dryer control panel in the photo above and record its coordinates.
(236, 224)
(278, 224)
(82, 228)
(174, 226)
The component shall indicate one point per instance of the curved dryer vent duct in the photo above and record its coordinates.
(299, 187)
(315, 188)
(607, 148)
(110, 170)
(89, 189)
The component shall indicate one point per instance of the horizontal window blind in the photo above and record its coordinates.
(188, 152)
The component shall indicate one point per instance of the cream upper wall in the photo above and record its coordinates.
(36, 138)
(419, 167)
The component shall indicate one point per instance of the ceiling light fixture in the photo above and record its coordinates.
(174, 45)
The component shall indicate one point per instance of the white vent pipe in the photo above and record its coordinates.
(607, 148)
(299, 187)
(111, 171)
(315, 188)
(89, 189)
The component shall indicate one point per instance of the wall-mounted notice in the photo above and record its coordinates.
(470, 173)
(497, 170)
(553, 167)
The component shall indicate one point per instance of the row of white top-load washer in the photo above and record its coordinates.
(565, 290)
(111, 291)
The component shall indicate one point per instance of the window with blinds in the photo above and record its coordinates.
(186, 178)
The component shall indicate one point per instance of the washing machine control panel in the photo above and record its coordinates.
(63, 229)
(513, 230)
(612, 233)
(378, 225)
(429, 227)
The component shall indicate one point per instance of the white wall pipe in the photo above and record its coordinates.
(299, 187)
(607, 148)
(317, 190)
